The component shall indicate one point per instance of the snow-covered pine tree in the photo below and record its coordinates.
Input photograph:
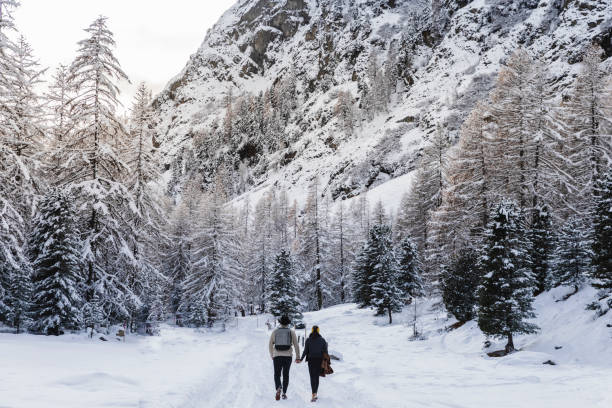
(386, 296)
(505, 295)
(93, 312)
(572, 257)
(602, 243)
(410, 271)
(459, 283)
(368, 264)
(94, 170)
(54, 251)
(19, 300)
(282, 288)
(541, 245)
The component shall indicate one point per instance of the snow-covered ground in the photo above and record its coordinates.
(381, 366)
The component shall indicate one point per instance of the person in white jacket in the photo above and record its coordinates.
(283, 342)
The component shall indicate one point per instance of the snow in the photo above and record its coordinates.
(380, 365)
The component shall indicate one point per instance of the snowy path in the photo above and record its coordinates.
(381, 367)
(247, 380)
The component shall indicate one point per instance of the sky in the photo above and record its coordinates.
(154, 38)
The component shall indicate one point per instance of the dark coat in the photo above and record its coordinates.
(315, 347)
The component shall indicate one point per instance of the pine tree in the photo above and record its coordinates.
(19, 301)
(93, 312)
(375, 273)
(572, 258)
(282, 288)
(505, 295)
(460, 282)
(409, 277)
(602, 243)
(54, 252)
(541, 243)
(386, 296)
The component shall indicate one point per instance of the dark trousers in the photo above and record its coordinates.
(282, 364)
(314, 368)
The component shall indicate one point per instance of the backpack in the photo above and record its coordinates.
(282, 339)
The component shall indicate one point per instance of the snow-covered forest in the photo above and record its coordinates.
(103, 226)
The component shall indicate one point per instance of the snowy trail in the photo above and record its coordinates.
(247, 380)
(381, 366)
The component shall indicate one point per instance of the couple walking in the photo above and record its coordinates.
(282, 342)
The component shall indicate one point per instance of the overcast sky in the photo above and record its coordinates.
(154, 38)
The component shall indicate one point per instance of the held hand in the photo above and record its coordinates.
(298, 361)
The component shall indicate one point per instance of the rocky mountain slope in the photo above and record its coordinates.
(444, 55)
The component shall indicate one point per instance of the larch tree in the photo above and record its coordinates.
(95, 172)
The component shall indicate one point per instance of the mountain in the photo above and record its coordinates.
(281, 91)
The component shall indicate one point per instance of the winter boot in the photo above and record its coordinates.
(278, 394)
(314, 398)
(284, 396)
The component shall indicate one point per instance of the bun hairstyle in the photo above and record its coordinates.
(315, 332)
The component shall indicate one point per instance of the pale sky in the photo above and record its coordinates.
(154, 38)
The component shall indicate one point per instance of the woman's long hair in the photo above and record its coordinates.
(314, 333)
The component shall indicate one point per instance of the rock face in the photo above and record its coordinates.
(450, 53)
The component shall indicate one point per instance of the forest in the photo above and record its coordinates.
(95, 231)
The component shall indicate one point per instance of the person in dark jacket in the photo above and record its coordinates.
(314, 350)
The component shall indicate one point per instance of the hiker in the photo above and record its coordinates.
(282, 340)
(315, 352)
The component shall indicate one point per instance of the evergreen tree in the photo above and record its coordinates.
(375, 273)
(54, 252)
(541, 244)
(505, 295)
(387, 297)
(409, 269)
(572, 258)
(282, 288)
(602, 242)
(19, 300)
(460, 282)
(93, 312)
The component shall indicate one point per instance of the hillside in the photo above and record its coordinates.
(380, 367)
(303, 56)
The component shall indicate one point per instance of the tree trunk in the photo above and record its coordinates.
(390, 318)
(510, 345)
